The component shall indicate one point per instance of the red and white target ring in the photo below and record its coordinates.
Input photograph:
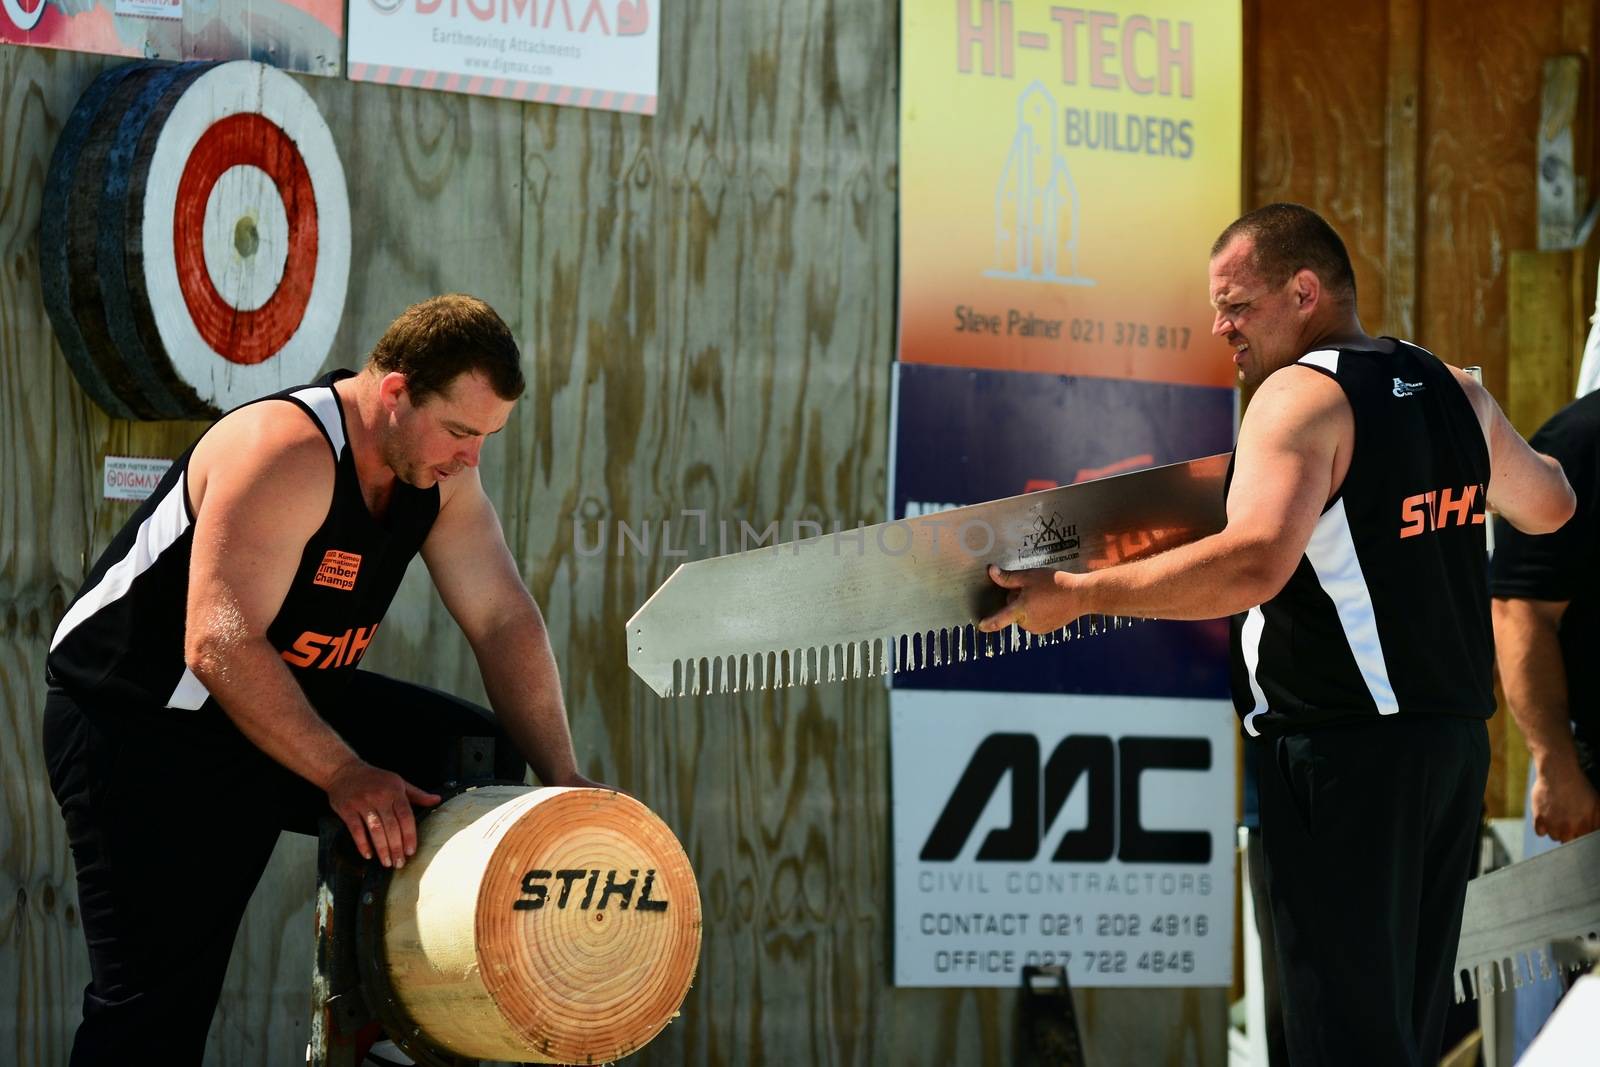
(23, 17)
(235, 329)
(246, 234)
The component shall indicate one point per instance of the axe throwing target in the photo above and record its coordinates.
(206, 232)
(24, 14)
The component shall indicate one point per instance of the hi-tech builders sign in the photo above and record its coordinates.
(1093, 832)
(587, 53)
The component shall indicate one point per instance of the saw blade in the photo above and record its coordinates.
(905, 594)
(1531, 920)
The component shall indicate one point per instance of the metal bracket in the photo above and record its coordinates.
(1047, 1032)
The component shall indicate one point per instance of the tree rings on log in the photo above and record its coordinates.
(194, 238)
(542, 925)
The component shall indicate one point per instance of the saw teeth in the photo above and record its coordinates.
(875, 657)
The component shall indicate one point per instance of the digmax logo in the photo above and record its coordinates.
(1112, 770)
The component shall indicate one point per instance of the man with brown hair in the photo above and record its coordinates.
(204, 690)
(1353, 555)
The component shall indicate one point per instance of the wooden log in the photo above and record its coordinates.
(542, 925)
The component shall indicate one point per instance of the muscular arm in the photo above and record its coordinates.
(261, 482)
(477, 579)
(1298, 427)
(1528, 652)
(1525, 486)
(255, 512)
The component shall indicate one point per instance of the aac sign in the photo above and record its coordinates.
(1111, 770)
(1087, 831)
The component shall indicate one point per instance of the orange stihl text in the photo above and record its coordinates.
(323, 651)
(1439, 508)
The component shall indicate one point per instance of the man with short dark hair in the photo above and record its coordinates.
(204, 691)
(1354, 551)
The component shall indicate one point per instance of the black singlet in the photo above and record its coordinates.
(1388, 610)
(122, 639)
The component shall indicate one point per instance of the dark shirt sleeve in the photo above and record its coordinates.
(1557, 566)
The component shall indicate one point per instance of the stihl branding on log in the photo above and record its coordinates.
(536, 887)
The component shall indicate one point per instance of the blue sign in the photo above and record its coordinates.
(965, 436)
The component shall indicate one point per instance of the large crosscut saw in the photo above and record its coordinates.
(908, 593)
(1531, 920)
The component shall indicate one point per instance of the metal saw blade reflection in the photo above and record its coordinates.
(905, 594)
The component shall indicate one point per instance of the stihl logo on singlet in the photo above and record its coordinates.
(325, 651)
(338, 570)
(1439, 508)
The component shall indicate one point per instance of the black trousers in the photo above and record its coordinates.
(1369, 834)
(172, 817)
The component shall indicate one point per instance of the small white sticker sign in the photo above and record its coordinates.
(150, 9)
(133, 477)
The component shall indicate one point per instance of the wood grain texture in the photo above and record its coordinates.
(43, 965)
(1479, 122)
(1320, 126)
(1543, 342)
(1479, 127)
(45, 526)
(705, 301)
(1403, 94)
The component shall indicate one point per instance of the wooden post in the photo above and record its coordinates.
(1401, 189)
(1559, 171)
(1544, 345)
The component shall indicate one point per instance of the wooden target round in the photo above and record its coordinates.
(206, 238)
(542, 925)
(24, 14)
(69, 225)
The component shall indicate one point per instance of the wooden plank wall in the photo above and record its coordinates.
(1416, 140)
(706, 301)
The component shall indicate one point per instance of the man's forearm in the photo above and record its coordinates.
(1528, 649)
(248, 678)
(1211, 578)
(524, 687)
